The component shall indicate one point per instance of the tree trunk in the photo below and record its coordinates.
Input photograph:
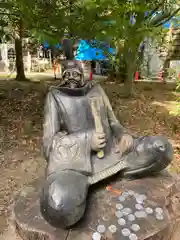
(20, 75)
(130, 59)
(165, 68)
(128, 84)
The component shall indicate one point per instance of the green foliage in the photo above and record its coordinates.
(88, 19)
(9, 15)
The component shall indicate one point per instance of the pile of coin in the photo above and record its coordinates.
(127, 218)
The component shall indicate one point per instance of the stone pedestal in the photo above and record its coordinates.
(142, 209)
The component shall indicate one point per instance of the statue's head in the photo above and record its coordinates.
(72, 74)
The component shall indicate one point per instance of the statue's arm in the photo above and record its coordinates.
(51, 123)
(117, 129)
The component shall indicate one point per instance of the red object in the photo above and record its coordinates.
(109, 188)
(113, 190)
(136, 76)
(179, 75)
(160, 76)
(91, 75)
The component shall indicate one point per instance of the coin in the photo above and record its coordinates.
(100, 154)
(125, 194)
(101, 228)
(118, 214)
(149, 210)
(139, 200)
(159, 210)
(135, 227)
(96, 236)
(126, 211)
(121, 221)
(122, 198)
(112, 228)
(140, 214)
(138, 206)
(159, 216)
(136, 195)
(131, 217)
(125, 232)
(119, 206)
(133, 236)
(143, 197)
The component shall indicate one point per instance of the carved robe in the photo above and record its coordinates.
(68, 128)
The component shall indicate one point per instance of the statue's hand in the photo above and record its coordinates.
(125, 144)
(98, 141)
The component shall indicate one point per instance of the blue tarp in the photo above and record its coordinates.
(86, 51)
(175, 21)
(47, 45)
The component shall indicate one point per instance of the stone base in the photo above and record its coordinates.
(157, 194)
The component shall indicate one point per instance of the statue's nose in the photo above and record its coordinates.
(159, 145)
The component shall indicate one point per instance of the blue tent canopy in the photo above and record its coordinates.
(86, 51)
(47, 45)
(175, 22)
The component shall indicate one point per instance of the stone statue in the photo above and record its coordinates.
(84, 143)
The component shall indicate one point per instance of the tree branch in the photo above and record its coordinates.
(155, 10)
(169, 18)
(10, 14)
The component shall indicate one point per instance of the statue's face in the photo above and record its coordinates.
(72, 76)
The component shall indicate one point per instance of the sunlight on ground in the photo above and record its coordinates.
(7, 77)
(173, 107)
(33, 76)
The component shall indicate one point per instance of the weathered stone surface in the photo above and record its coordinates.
(160, 193)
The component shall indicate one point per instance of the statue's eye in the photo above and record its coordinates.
(67, 74)
(75, 74)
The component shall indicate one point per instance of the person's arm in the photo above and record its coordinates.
(51, 123)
